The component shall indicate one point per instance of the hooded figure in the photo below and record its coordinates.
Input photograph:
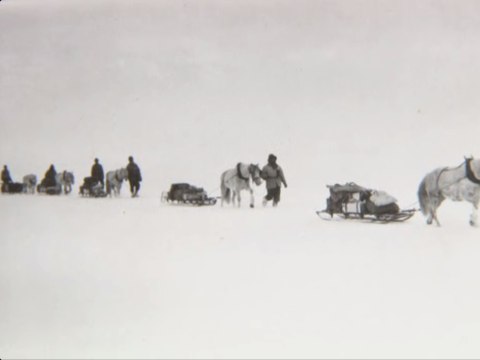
(97, 172)
(6, 179)
(273, 175)
(134, 176)
(50, 177)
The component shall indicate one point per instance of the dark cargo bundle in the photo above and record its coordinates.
(184, 193)
(351, 201)
(50, 189)
(12, 188)
(91, 187)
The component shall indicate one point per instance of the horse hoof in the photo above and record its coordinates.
(251, 206)
(473, 223)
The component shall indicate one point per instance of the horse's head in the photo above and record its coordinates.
(30, 180)
(123, 173)
(69, 178)
(254, 171)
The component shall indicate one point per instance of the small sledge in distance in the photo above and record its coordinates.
(183, 193)
(354, 202)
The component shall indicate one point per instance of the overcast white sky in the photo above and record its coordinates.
(189, 87)
(377, 92)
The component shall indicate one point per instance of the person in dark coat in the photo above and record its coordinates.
(134, 176)
(50, 179)
(97, 172)
(273, 175)
(6, 178)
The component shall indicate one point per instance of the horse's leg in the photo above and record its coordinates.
(430, 210)
(435, 217)
(474, 215)
(239, 198)
(433, 212)
(430, 218)
(252, 199)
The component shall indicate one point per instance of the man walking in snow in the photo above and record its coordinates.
(273, 175)
(6, 179)
(134, 176)
(97, 172)
(50, 179)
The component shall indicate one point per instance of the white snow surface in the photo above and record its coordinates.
(379, 93)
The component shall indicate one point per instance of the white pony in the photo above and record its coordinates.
(461, 183)
(29, 183)
(114, 181)
(65, 179)
(235, 180)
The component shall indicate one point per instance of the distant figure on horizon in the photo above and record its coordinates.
(50, 177)
(6, 178)
(97, 172)
(273, 175)
(134, 176)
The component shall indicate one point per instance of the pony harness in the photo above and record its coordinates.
(239, 172)
(470, 175)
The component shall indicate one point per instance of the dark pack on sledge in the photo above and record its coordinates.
(184, 193)
(12, 188)
(92, 188)
(351, 201)
(49, 190)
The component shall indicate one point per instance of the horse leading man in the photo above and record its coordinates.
(273, 175)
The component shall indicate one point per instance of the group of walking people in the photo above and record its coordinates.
(96, 178)
(272, 173)
(134, 177)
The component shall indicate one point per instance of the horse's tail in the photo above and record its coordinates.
(225, 190)
(423, 197)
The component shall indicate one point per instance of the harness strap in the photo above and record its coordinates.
(470, 175)
(239, 173)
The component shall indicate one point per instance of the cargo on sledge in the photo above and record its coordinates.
(184, 193)
(351, 201)
(44, 188)
(91, 187)
(12, 188)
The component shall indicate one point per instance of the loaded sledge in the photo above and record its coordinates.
(91, 187)
(12, 188)
(354, 202)
(46, 187)
(183, 193)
